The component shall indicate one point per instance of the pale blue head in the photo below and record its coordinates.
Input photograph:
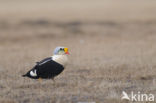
(61, 50)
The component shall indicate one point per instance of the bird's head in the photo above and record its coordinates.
(61, 51)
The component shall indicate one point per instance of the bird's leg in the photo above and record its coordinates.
(53, 80)
(40, 79)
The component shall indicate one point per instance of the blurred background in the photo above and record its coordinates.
(111, 42)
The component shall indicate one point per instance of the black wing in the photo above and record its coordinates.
(49, 68)
(44, 61)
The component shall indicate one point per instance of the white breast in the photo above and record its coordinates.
(61, 59)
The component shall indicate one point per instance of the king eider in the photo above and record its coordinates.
(49, 67)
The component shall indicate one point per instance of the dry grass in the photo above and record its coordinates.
(108, 55)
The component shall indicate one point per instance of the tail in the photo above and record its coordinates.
(24, 75)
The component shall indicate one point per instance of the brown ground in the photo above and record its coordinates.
(112, 46)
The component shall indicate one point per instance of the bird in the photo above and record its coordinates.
(50, 67)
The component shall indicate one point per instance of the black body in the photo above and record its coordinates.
(46, 69)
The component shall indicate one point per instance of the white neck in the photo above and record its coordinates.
(61, 59)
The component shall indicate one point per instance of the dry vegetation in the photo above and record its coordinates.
(112, 48)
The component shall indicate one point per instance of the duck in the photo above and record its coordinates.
(50, 67)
